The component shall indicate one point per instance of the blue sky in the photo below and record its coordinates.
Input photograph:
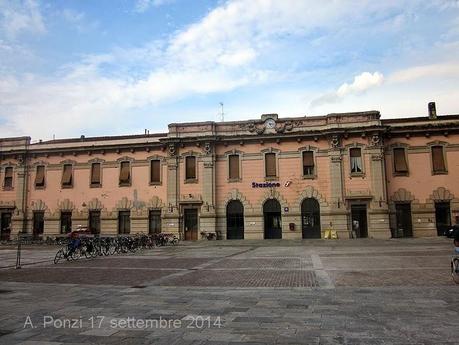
(111, 67)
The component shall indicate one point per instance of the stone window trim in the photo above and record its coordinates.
(127, 183)
(432, 147)
(348, 152)
(38, 177)
(67, 179)
(228, 155)
(150, 181)
(7, 169)
(314, 151)
(276, 158)
(184, 157)
(393, 149)
(101, 167)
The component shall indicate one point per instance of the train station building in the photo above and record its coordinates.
(271, 177)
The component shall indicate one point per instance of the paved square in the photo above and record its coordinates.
(230, 292)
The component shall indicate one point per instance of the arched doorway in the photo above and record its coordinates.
(235, 220)
(272, 218)
(310, 218)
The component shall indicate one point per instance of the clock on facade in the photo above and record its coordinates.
(270, 123)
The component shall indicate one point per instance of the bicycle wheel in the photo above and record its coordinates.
(455, 270)
(59, 256)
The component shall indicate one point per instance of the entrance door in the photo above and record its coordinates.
(442, 217)
(403, 218)
(235, 220)
(273, 220)
(94, 222)
(191, 224)
(38, 223)
(5, 226)
(359, 220)
(154, 222)
(310, 218)
(66, 222)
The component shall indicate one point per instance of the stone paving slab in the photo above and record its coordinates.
(263, 292)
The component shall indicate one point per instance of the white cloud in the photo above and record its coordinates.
(19, 17)
(143, 5)
(448, 69)
(361, 83)
(219, 53)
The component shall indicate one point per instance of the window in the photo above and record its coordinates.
(40, 176)
(270, 165)
(124, 222)
(154, 221)
(95, 175)
(125, 174)
(190, 167)
(438, 160)
(155, 171)
(233, 161)
(356, 160)
(94, 222)
(66, 222)
(400, 165)
(308, 163)
(67, 178)
(8, 181)
(38, 223)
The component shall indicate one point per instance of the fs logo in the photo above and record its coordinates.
(287, 183)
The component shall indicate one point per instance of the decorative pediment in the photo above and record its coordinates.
(273, 194)
(155, 202)
(237, 195)
(96, 160)
(125, 159)
(311, 192)
(402, 195)
(66, 205)
(124, 204)
(39, 205)
(441, 194)
(95, 204)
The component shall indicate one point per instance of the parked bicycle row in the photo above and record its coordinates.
(78, 246)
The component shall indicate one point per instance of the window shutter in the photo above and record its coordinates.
(355, 152)
(190, 163)
(308, 159)
(270, 161)
(125, 174)
(40, 176)
(234, 167)
(155, 171)
(8, 182)
(400, 164)
(438, 160)
(95, 173)
(67, 175)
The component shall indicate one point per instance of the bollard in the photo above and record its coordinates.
(18, 254)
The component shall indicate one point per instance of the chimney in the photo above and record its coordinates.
(432, 111)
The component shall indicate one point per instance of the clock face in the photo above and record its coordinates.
(270, 123)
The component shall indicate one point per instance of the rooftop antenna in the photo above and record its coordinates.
(222, 114)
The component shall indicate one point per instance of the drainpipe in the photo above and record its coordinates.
(25, 188)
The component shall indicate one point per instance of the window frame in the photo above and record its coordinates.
(5, 187)
(234, 179)
(314, 167)
(356, 173)
(72, 176)
(185, 164)
(276, 165)
(155, 183)
(92, 184)
(443, 149)
(128, 183)
(44, 176)
(394, 170)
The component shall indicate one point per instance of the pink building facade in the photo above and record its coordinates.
(288, 178)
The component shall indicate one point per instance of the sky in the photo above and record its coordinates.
(112, 67)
